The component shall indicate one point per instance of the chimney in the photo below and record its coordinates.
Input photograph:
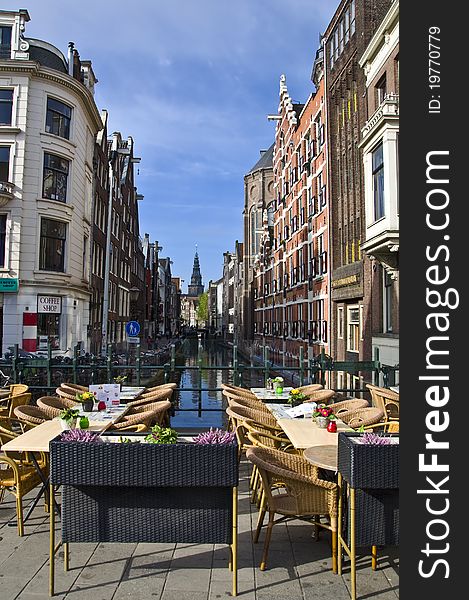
(71, 47)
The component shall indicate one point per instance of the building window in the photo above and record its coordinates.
(5, 42)
(378, 182)
(387, 303)
(353, 328)
(55, 178)
(85, 257)
(380, 91)
(52, 246)
(3, 239)
(4, 163)
(58, 118)
(352, 18)
(340, 322)
(6, 106)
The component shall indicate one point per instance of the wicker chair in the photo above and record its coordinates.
(161, 409)
(245, 401)
(18, 475)
(239, 391)
(313, 387)
(9, 404)
(362, 417)
(386, 400)
(54, 405)
(163, 386)
(164, 394)
(68, 394)
(347, 405)
(18, 388)
(31, 415)
(74, 387)
(302, 494)
(320, 396)
(142, 418)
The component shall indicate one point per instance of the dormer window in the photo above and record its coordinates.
(5, 42)
(58, 118)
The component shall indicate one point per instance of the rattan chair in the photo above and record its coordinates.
(300, 493)
(347, 405)
(320, 396)
(68, 394)
(313, 387)
(147, 418)
(160, 408)
(163, 386)
(54, 405)
(18, 388)
(157, 396)
(31, 415)
(386, 400)
(362, 417)
(239, 391)
(9, 404)
(18, 475)
(245, 401)
(74, 387)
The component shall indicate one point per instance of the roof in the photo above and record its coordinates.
(265, 161)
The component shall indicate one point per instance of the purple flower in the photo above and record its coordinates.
(215, 436)
(80, 435)
(374, 439)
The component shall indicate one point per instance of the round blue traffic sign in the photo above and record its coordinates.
(132, 328)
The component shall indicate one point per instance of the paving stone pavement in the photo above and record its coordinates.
(299, 567)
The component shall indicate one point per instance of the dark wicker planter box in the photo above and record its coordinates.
(145, 492)
(374, 473)
(363, 466)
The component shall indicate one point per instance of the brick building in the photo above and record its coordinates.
(380, 146)
(345, 40)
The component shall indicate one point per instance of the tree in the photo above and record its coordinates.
(202, 309)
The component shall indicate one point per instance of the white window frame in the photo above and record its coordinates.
(355, 324)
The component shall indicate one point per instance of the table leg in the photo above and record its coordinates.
(234, 545)
(339, 527)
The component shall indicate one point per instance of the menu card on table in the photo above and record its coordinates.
(109, 392)
(303, 410)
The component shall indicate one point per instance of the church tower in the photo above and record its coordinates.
(196, 287)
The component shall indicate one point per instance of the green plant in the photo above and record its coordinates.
(69, 414)
(296, 396)
(85, 397)
(120, 379)
(126, 440)
(161, 435)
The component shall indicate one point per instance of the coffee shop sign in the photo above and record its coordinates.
(49, 304)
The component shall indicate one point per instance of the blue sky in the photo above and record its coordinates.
(192, 82)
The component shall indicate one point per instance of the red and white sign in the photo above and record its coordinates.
(49, 304)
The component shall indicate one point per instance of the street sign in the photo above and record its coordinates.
(8, 284)
(132, 328)
(133, 340)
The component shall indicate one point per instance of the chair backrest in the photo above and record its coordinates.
(312, 387)
(18, 388)
(161, 406)
(347, 405)
(239, 391)
(385, 399)
(164, 394)
(31, 414)
(244, 401)
(68, 395)
(243, 413)
(320, 396)
(362, 417)
(53, 405)
(18, 400)
(163, 386)
(74, 387)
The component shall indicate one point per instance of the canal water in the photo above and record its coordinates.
(205, 365)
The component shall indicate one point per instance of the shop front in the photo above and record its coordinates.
(49, 317)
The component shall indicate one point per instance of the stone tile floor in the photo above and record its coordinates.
(299, 567)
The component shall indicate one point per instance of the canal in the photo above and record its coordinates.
(207, 364)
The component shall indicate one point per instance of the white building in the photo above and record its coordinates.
(48, 122)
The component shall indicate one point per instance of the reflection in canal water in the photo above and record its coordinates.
(195, 408)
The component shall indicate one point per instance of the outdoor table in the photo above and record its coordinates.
(265, 394)
(37, 440)
(304, 433)
(324, 457)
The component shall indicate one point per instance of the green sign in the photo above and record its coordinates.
(8, 284)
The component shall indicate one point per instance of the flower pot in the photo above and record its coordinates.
(66, 425)
(279, 390)
(332, 427)
(88, 405)
(322, 422)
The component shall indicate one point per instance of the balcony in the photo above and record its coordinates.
(385, 249)
(387, 111)
(6, 192)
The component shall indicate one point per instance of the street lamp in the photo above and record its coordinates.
(134, 293)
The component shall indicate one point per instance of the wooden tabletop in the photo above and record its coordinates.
(322, 456)
(265, 394)
(37, 439)
(304, 433)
